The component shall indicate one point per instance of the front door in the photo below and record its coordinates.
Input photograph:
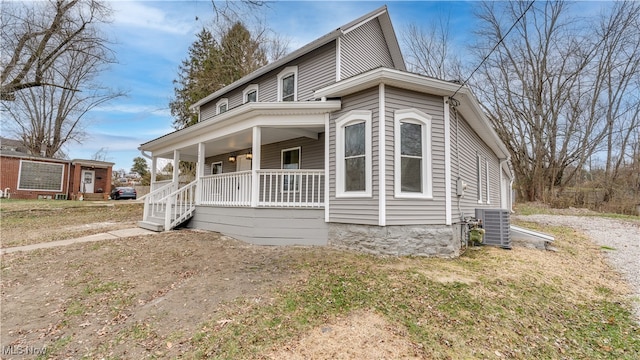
(242, 163)
(88, 179)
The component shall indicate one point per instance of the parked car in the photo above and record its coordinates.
(122, 192)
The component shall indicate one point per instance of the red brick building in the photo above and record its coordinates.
(25, 176)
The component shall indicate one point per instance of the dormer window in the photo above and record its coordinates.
(250, 94)
(288, 84)
(222, 106)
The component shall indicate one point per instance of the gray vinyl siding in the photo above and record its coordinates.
(355, 210)
(403, 211)
(364, 49)
(470, 145)
(315, 70)
(311, 155)
(264, 226)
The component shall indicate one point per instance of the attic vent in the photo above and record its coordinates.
(496, 223)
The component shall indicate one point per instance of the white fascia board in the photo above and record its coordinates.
(253, 110)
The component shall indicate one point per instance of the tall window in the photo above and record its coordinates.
(486, 176)
(250, 93)
(288, 84)
(412, 154)
(288, 92)
(222, 106)
(479, 178)
(354, 157)
(291, 161)
(353, 152)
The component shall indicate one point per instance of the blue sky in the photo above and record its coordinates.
(151, 38)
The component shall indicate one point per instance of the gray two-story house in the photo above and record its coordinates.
(335, 144)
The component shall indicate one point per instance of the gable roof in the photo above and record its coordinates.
(387, 29)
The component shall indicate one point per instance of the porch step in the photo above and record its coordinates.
(151, 225)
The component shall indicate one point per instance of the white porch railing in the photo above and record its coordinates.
(153, 201)
(180, 205)
(158, 184)
(291, 188)
(231, 189)
(277, 188)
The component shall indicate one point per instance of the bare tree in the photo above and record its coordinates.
(555, 87)
(430, 50)
(34, 36)
(48, 113)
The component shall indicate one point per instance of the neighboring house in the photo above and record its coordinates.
(336, 144)
(26, 176)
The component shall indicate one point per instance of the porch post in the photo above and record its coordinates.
(255, 166)
(199, 172)
(154, 168)
(176, 168)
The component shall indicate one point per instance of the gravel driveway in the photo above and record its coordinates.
(622, 236)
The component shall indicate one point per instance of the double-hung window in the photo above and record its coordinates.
(412, 174)
(353, 149)
(222, 106)
(288, 84)
(291, 161)
(479, 178)
(250, 94)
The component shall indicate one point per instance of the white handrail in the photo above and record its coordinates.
(230, 189)
(180, 204)
(153, 203)
(291, 188)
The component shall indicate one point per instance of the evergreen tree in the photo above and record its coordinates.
(211, 65)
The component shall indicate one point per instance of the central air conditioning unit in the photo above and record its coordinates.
(497, 227)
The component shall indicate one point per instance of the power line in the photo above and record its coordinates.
(495, 47)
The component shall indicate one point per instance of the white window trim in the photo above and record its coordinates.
(247, 90)
(223, 101)
(479, 178)
(62, 166)
(282, 167)
(418, 117)
(350, 118)
(216, 163)
(284, 73)
(486, 174)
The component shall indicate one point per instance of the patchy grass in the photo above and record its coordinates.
(490, 302)
(188, 294)
(25, 222)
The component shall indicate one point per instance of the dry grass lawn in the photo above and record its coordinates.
(192, 294)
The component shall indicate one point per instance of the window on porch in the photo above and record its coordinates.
(290, 161)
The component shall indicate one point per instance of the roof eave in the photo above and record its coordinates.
(469, 105)
(269, 67)
(246, 111)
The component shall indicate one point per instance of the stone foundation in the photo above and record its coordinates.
(414, 240)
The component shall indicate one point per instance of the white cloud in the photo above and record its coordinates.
(142, 16)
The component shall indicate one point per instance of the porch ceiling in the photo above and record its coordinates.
(243, 140)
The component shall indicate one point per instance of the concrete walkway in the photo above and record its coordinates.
(110, 235)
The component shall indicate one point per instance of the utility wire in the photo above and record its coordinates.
(495, 47)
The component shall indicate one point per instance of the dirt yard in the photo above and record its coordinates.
(159, 296)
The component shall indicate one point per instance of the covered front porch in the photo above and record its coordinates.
(267, 161)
